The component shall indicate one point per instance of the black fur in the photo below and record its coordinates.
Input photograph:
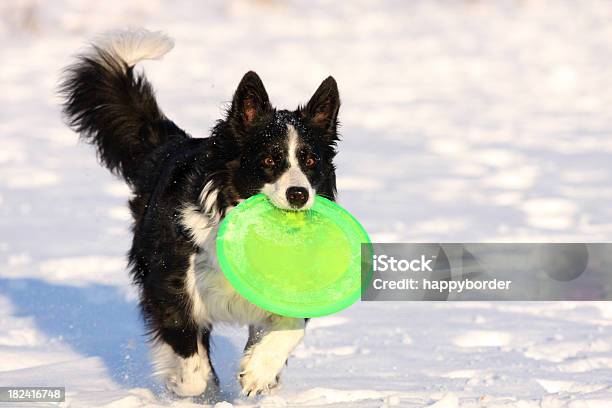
(115, 109)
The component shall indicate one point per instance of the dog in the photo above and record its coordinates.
(182, 187)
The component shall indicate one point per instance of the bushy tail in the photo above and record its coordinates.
(113, 108)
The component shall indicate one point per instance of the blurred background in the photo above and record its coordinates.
(462, 121)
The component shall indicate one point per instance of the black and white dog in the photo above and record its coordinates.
(183, 186)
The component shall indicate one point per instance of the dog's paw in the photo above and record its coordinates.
(191, 386)
(258, 376)
(190, 378)
(252, 384)
(263, 361)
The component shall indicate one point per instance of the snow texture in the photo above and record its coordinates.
(462, 121)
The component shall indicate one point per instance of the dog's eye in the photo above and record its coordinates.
(268, 161)
(310, 161)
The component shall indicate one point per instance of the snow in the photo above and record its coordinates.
(462, 122)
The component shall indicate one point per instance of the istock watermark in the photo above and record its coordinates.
(385, 263)
(467, 271)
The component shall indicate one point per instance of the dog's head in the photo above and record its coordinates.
(287, 155)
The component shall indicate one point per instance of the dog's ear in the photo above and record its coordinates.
(322, 109)
(249, 103)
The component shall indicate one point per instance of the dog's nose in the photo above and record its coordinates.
(297, 196)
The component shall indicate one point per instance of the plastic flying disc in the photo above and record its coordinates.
(292, 263)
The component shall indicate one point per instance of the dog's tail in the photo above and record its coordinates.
(114, 108)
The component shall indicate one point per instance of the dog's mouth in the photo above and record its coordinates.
(294, 199)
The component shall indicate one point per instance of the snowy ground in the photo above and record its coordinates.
(462, 121)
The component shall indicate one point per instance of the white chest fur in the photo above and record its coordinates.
(212, 297)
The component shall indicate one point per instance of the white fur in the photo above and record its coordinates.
(293, 177)
(198, 308)
(263, 362)
(200, 222)
(196, 223)
(215, 298)
(212, 297)
(208, 199)
(183, 376)
(133, 45)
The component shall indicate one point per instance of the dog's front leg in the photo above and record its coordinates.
(266, 353)
(182, 360)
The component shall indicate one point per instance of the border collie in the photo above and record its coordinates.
(183, 187)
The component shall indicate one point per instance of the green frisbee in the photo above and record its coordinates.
(293, 263)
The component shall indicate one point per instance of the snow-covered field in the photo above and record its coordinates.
(464, 121)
